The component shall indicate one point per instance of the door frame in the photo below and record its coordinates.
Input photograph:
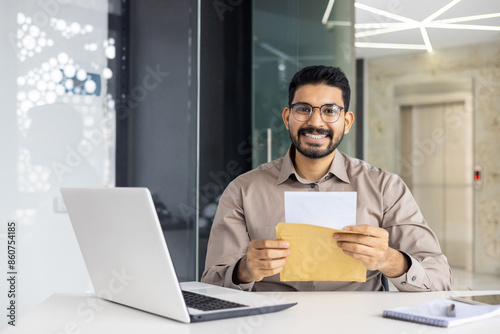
(415, 99)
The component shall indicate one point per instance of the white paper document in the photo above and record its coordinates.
(335, 209)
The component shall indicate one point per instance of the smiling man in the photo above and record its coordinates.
(243, 252)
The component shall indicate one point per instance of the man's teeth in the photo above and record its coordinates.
(315, 136)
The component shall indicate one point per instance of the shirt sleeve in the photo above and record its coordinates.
(228, 241)
(410, 234)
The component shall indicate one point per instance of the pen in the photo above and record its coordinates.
(450, 312)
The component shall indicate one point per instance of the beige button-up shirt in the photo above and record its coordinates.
(253, 204)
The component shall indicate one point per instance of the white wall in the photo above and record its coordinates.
(476, 64)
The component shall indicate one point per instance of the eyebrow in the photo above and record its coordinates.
(319, 106)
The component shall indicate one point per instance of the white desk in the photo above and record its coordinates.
(316, 312)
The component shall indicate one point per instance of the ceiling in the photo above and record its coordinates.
(382, 26)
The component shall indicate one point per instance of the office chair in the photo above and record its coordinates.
(385, 282)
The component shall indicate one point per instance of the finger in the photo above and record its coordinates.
(357, 238)
(372, 254)
(270, 272)
(261, 269)
(269, 254)
(369, 261)
(269, 243)
(367, 229)
(272, 264)
(356, 248)
(355, 255)
(361, 257)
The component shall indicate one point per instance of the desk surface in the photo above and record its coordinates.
(316, 312)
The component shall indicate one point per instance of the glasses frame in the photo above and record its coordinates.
(312, 111)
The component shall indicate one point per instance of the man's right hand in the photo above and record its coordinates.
(265, 257)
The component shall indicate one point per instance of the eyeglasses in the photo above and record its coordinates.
(329, 113)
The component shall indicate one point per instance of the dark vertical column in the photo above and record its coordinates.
(156, 129)
(225, 103)
(238, 85)
(157, 117)
(119, 26)
(359, 112)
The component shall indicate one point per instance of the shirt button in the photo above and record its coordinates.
(414, 278)
(313, 185)
(403, 283)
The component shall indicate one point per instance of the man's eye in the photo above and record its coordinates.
(302, 110)
(329, 111)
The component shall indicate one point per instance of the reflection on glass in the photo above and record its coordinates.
(58, 130)
(289, 35)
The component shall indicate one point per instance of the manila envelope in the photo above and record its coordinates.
(315, 255)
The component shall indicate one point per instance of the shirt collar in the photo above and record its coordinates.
(287, 168)
(337, 168)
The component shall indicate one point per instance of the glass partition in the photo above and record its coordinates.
(287, 36)
(57, 130)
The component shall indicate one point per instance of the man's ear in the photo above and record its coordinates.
(286, 117)
(348, 120)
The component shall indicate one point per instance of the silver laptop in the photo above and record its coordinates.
(129, 263)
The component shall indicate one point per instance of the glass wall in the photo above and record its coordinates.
(287, 36)
(68, 78)
(57, 130)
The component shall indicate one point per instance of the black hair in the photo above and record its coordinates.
(320, 74)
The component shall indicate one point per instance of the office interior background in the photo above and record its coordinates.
(183, 96)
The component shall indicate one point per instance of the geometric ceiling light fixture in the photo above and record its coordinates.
(402, 23)
(328, 11)
(373, 29)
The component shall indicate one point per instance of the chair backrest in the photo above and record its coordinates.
(385, 282)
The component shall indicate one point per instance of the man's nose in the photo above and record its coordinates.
(315, 118)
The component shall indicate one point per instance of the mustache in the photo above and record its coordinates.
(315, 131)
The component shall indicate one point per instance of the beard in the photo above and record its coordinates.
(314, 151)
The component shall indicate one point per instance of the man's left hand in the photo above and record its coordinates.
(372, 248)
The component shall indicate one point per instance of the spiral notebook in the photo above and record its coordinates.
(436, 313)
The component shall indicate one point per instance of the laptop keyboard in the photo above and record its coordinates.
(206, 303)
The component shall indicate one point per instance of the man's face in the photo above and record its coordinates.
(316, 138)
